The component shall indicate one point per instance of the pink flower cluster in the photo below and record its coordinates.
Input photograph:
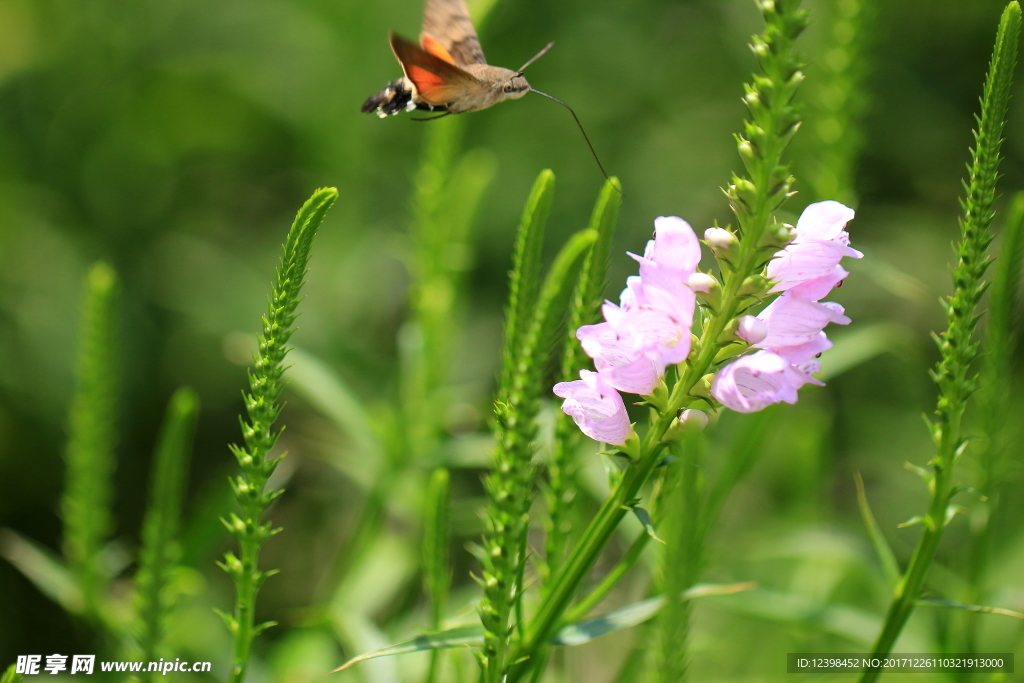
(646, 332)
(790, 334)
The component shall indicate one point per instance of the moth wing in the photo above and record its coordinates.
(435, 48)
(437, 81)
(448, 22)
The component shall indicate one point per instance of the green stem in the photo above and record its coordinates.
(953, 373)
(604, 524)
(909, 589)
(582, 608)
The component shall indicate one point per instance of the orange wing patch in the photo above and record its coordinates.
(437, 81)
(432, 88)
(435, 48)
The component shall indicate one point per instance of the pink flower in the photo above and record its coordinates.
(621, 358)
(658, 306)
(596, 408)
(753, 383)
(792, 321)
(675, 247)
(821, 242)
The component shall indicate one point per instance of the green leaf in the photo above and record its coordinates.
(638, 613)
(462, 636)
(850, 623)
(43, 569)
(852, 348)
(576, 634)
(916, 519)
(952, 511)
(525, 277)
(263, 406)
(890, 566)
(160, 550)
(645, 520)
(436, 540)
(927, 600)
(10, 677)
(553, 301)
(88, 492)
(325, 390)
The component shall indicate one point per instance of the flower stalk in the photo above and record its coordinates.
(263, 406)
(772, 123)
(85, 506)
(953, 374)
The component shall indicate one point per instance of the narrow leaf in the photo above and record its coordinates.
(10, 676)
(916, 519)
(462, 636)
(585, 308)
(262, 404)
(554, 296)
(1004, 298)
(326, 391)
(645, 520)
(638, 613)
(436, 540)
(890, 566)
(525, 276)
(43, 569)
(576, 634)
(970, 608)
(88, 491)
(160, 549)
(855, 347)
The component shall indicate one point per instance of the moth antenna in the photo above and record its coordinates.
(535, 58)
(585, 137)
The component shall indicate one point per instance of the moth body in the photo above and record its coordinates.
(447, 71)
(495, 84)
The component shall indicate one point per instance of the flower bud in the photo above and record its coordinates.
(701, 282)
(702, 388)
(688, 422)
(719, 239)
(707, 288)
(778, 236)
(755, 285)
(693, 420)
(751, 330)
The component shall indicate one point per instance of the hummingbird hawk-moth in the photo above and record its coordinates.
(447, 72)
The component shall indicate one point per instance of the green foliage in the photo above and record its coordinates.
(954, 373)
(840, 99)
(10, 677)
(535, 314)
(586, 304)
(436, 556)
(570, 635)
(263, 407)
(446, 193)
(160, 551)
(524, 280)
(772, 124)
(890, 567)
(85, 506)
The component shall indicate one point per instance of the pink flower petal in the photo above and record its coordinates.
(621, 360)
(823, 221)
(752, 383)
(596, 408)
(675, 245)
(819, 287)
(792, 321)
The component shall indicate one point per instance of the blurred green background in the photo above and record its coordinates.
(177, 138)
